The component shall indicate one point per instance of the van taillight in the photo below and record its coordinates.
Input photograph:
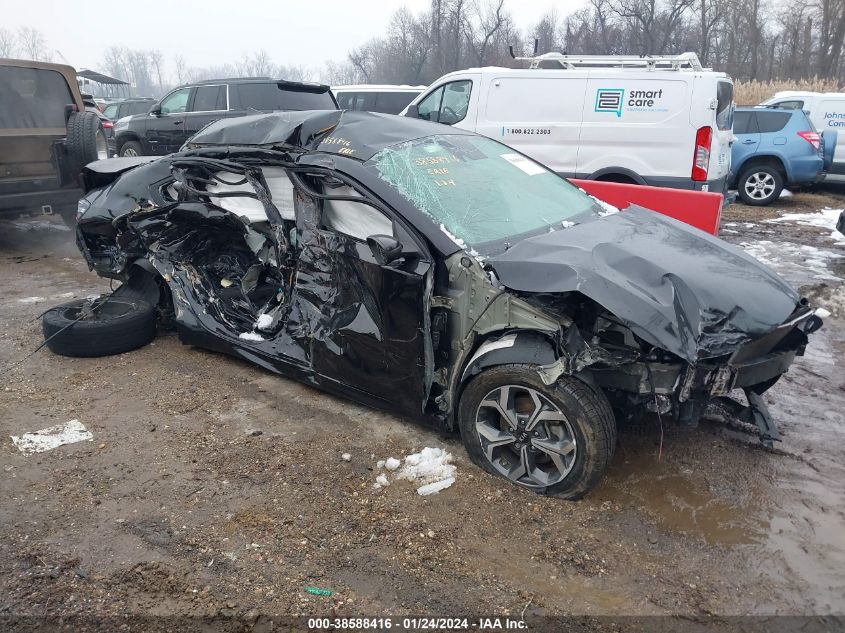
(701, 157)
(812, 138)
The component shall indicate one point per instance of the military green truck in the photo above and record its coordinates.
(46, 138)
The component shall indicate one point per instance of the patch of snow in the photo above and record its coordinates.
(607, 208)
(437, 486)
(454, 238)
(250, 336)
(346, 457)
(729, 231)
(785, 193)
(380, 464)
(52, 437)
(798, 262)
(824, 219)
(31, 300)
(264, 322)
(431, 469)
(566, 224)
(822, 313)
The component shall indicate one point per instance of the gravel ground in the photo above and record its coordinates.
(212, 488)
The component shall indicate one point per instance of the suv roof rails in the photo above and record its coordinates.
(684, 61)
(228, 79)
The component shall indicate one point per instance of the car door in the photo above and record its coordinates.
(363, 324)
(747, 138)
(207, 104)
(166, 129)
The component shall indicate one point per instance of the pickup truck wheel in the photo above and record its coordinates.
(553, 439)
(99, 327)
(760, 185)
(131, 148)
(86, 140)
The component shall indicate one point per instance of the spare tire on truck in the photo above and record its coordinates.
(86, 140)
(99, 327)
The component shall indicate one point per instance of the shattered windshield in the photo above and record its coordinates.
(480, 192)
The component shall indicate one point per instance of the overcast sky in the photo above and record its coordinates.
(215, 32)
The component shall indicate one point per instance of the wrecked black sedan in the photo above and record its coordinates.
(436, 273)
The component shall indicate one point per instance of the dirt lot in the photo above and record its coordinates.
(214, 488)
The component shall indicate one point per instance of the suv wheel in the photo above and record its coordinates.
(552, 439)
(131, 148)
(760, 185)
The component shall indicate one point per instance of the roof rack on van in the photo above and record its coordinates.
(684, 61)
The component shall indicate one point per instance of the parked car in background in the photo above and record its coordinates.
(128, 107)
(187, 109)
(46, 137)
(774, 148)
(376, 97)
(827, 112)
(662, 121)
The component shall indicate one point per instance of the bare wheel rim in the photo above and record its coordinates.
(525, 436)
(129, 151)
(760, 185)
(102, 146)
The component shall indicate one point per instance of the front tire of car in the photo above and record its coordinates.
(552, 439)
(131, 148)
(760, 185)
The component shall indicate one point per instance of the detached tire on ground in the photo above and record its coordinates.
(86, 140)
(106, 327)
(553, 439)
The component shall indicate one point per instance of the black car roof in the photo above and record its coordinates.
(351, 133)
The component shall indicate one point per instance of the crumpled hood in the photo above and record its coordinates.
(676, 287)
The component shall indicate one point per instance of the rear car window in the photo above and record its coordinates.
(139, 107)
(745, 123)
(790, 105)
(209, 98)
(769, 122)
(272, 96)
(111, 111)
(724, 105)
(32, 98)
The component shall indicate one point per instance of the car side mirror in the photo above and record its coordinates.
(413, 111)
(385, 248)
(156, 110)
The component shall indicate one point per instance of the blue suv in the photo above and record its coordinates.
(774, 148)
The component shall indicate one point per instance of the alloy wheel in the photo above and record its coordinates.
(760, 185)
(525, 436)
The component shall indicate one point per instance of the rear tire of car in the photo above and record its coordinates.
(760, 185)
(566, 453)
(109, 325)
(86, 140)
(131, 148)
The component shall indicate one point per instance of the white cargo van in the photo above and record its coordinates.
(827, 112)
(663, 121)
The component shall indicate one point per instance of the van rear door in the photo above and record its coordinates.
(829, 117)
(720, 149)
(539, 114)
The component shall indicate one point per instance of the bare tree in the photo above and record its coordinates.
(8, 43)
(33, 45)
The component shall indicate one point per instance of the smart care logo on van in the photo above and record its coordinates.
(614, 100)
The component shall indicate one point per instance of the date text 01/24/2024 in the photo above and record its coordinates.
(418, 624)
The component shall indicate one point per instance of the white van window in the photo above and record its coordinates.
(447, 104)
(724, 105)
(794, 104)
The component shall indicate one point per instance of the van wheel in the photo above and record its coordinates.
(131, 148)
(99, 327)
(552, 439)
(760, 185)
(86, 140)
